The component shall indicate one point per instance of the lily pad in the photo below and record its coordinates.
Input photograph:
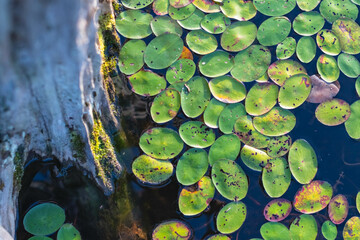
(357, 86)
(338, 209)
(307, 5)
(226, 146)
(313, 197)
(164, 24)
(348, 32)
(207, 6)
(333, 112)
(229, 116)
(161, 143)
(136, 4)
(308, 23)
(275, 231)
(160, 7)
(192, 22)
(357, 202)
(279, 146)
(147, 83)
(201, 42)
(44, 219)
(321, 90)
(273, 30)
(349, 65)
(334, 9)
(181, 13)
(40, 238)
(238, 36)
(303, 161)
(304, 227)
(261, 98)
(229, 179)
(212, 113)
(218, 237)
(180, 3)
(352, 229)
(263, 79)
(194, 200)
(286, 48)
(181, 70)
(215, 23)
(152, 171)
(231, 217)
(241, 10)
(134, 24)
(163, 51)
(192, 166)
(281, 70)
(172, 230)
(328, 42)
(276, 177)
(177, 86)
(306, 49)
(68, 232)
(197, 134)
(216, 64)
(276, 122)
(327, 67)
(353, 122)
(165, 106)
(195, 96)
(131, 57)
(329, 230)
(277, 210)
(251, 63)
(275, 7)
(254, 158)
(227, 89)
(186, 54)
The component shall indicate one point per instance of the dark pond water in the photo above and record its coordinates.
(338, 158)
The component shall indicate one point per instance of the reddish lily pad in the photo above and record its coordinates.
(277, 210)
(180, 3)
(333, 112)
(338, 209)
(161, 7)
(321, 90)
(352, 229)
(348, 32)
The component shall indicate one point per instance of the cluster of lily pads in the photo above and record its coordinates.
(45, 219)
(210, 93)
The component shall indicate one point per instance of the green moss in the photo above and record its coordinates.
(78, 146)
(19, 167)
(117, 7)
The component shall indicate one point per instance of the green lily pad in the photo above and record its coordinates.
(241, 10)
(254, 158)
(306, 49)
(181, 13)
(215, 23)
(194, 200)
(68, 232)
(147, 83)
(275, 7)
(44, 219)
(178, 86)
(273, 30)
(275, 231)
(218, 237)
(193, 22)
(229, 116)
(351, 230)
(349, 65)
(279, 146)
(40, 238)
(207, 6)
(231, 217)
(328, 42)
(295, 91)
(261, 98)
(180, 3)
(152, 171)
(181, 70)
(286, 48)
(161, 143)
(357, 2)
(308, 23)
(277, 210)
(334, 9)
(357, 86)
(313, 197)
(160, 7)
(353, 122)
(134, 24)
(251, 63)
(227, 89)
(229, 179)
(195, 96)
(226, 146)
(165, 106)
(245, 130)
(327, 68)
(303, 161)
(131, 57)
(238, 36)
(163, 51)
(212, 113)
(281, 70)
(329, 230)
(197, 134)
(216, 64)
(164, 24)
(136, 4)
(307, 5)
(348, 32)
(304, 227)
(321, 90)
(276, 122)
(338, 209)
(201, 42)
(192, 166)
(172, 230)
(358, 201)
(333, 112)
(263, 79)
(276, 177)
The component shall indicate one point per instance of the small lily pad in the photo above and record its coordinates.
(215, 23)
(329, 230)
(333, 112)
(226, 146)
(229, 116)
(152, 171)
(281, 70)
(348, 32)
(357, 200)
(180, 3)
(40, 238)
(160, 7)
(327, 67)
(307, 5)
(192, 22)
(197, 134)
(353, 122)
(229, 179)
(304, 227)
(349, 65)
(207, 6)
(238, 36)
(136, 4)
(181, 13)
(134, 24)
(273, 30)
(216, 64)
(172, 230)
(241, 10)
(261, 98)
(131, 57)
(218, 237)
(227, 89)
(306, 49)
(275, 231)
(313, 197)
(68, 232)
(161, 143)
(338, 209)
(334, 9)
(147, 83)
(231, 217)
(276, 177)
(254, 158)
(275, 7)
(164, 24)
(328, 42)
(201, 42)
(321, 90)
(279, 146)
(165, 106)
(308, 23)
(212, 113)
(286, 48)
(352, 229)
(181, 70)
(277, 210)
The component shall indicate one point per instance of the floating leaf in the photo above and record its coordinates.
(134, 24)
(192, 22)
(177, 86)
(357, 86)
(136, 4)
(241, 10)
(307, 5)
(197, 134)
(276, 177)
(333, 112)
(295, 91)
(329, 230)
(201, 42)
(227, 89)
(261, 98)
(286, 48)
(146, 83)
(212, 113)
(229, 116)
(353, 122)
(186, 54)
(254, 158)
(308, 23)
(161, 7)
(192, 166)
(279, 146)
(322, 91)
(334, 9)
(131, 57)
(348, 32)
(172, 230)
(238, 36)
(263, 79)
(181, 70)
(274, 7)
(180, 3)
(304, 227)
(207, 6)
(349, 65)
(164, 24)
(40, 238)
(215, 23)
(358, 202)
(231, 217)
(226, 146)
(181, 13)
(277, 210)
(338, 209)
(68, 232)
(281, 70)
(218, 237)
(306, 49)
(216, 64)
(328, 42)
(327, 67)
(273, 30)
(274, 231)
(352, 229)
(165, 106)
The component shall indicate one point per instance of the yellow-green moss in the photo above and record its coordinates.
(78, 146)
(19, 167)
(117, 7)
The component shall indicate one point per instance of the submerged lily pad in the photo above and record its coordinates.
(348, 32)
(277, 210)
(44, 219)
(229, 179)
(308, 23)
(329, 230)
(216, 64)
(327, 68)
(273, 30)
(275, 231)
(307, 5)
(201, 42)
(238, 36)
(334, 9)
(194, 201)
(321, 90)
(276, 177)
(161, 143)
(241, 10)
(286, 48)
(68, 232)
(254, 158)
(164, 24)
(212, 113)
(197, 134)
(192, 22)
(275, 7)
(207, 6)
(261, 98)
(147, 83)
(304, 227)
(152, 171)
(160, 7)
(328, 42)
(172, 230)
(229, 116)
(349, 65)
(279, 146)
(131, 57)
(227, 89)
(353, 122)
(215, 23)
(134, 24)
(181, 13)
(231, 217)
(181, 70)
(306, 49)
(281, 70)
(333, 112)
(338, 209)
(136, 4)
(226, 146)
(352, 229)
(303, 161)
(165, 106)
(313, 197)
